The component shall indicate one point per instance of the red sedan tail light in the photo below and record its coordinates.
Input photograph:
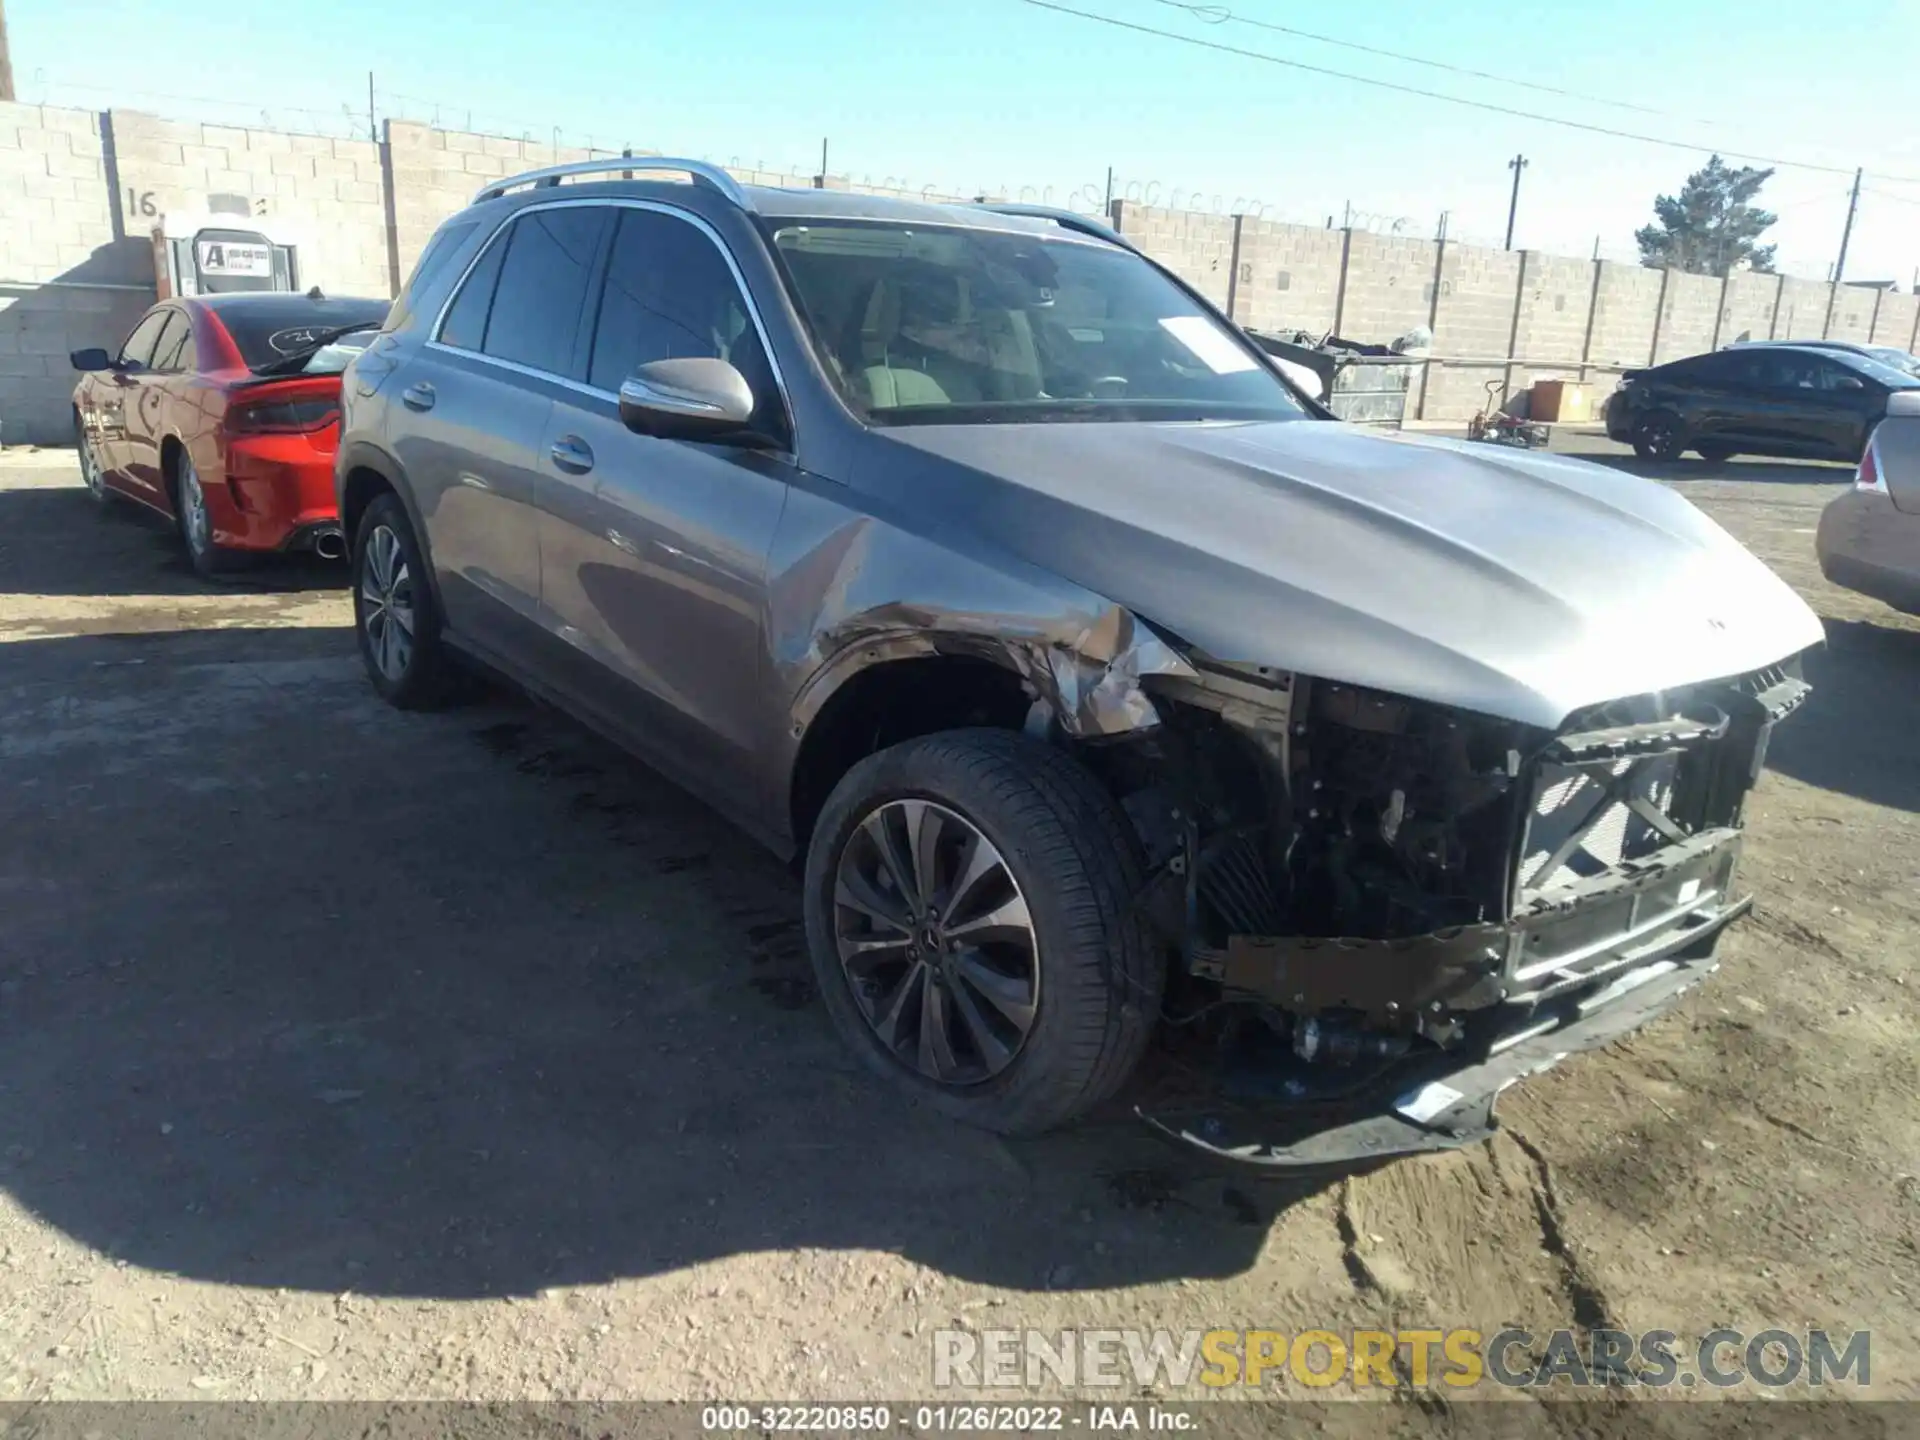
(292, 408)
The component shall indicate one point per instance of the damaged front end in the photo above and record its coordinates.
(1387, 911)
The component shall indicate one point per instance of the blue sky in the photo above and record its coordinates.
(1003, 95)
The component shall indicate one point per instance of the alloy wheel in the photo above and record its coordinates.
(193, 510)
(90, 471)
(1659, 437)
(386, 603)
(936, 942)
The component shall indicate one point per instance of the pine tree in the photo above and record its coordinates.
(1711, 227)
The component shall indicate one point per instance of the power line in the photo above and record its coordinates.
(1398, 88)
(1220, 15)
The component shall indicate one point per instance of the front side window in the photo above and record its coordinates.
(137, 352)
(543, 282)
(947, 325)
(670, 295)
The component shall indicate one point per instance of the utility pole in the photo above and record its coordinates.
(373, 128)
(1846, 234)
(1108, 212)
(1516, 165)
(6, 65)
(1840, 264)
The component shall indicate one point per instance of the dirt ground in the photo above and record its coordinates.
(352, 1054)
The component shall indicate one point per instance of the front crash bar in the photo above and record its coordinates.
(1429, 1107)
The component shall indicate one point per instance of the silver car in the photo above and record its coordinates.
(1098, 683)
(1869, 538)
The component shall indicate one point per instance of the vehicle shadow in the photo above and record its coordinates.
(1854, 734)
(465, 1004)
(1692, 467)
(56, 539)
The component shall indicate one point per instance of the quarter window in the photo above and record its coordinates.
(466, 323)
(543, 286)
(174, 350)
(670, 295)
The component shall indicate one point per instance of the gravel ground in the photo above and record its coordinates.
(351, 1054)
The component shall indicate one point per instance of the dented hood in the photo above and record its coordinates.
(1518, 584)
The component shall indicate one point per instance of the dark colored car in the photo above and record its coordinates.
(1786, 400)
(222, 412)
(1892, 355)
(1097, 684)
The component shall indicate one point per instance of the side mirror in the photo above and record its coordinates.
(91, 359)
(702, 399)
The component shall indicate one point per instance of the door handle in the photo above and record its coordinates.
(417, 396)
(570, 453)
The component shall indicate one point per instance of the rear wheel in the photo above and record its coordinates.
(196, 524)
(969, 908)
(395, 619)
(1658, 437)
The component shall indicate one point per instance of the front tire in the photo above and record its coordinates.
(90, 472)
(1659, 437)
(970, 917)
(395, 619)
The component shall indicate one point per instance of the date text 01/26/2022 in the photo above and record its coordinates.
(952, 1419)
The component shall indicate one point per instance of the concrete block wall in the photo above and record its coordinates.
(79, 190)
(1689, 312)
(1626, 306)
(1803, 310)
(1852, 316)
(64, 283)
(1748, 307)
(328, 194)
(1289, 276)
(1390, 281)
(1198, 246)
(1897, 321)
(1479, 289)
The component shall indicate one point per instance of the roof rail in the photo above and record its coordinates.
(1066, 220)
(701, 172)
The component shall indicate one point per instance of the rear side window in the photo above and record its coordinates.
(175, 349)
(138, 349)
(670, 295)
(542, 287)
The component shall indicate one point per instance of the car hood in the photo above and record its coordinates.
(1518, 584)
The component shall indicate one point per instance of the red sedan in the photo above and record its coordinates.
(222, 412)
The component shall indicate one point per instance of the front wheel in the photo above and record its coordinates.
(90, 472)
(970, 917)
(1658, 437)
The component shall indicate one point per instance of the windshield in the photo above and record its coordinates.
(1887, 374)
(950, 326)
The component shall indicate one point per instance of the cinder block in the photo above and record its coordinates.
(35, 138)
(225, 136)
(269, 142)
(462, 142)
(327, 167)
(296, 165)
(357, 192)
(501, 147)
(310, 144)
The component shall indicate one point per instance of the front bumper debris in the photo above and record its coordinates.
(1442, 1101)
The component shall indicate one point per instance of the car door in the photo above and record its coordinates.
(148, 396)
(1854, 401)
(1791, 413)
(653, 552)
(111, 391)
(472, 419)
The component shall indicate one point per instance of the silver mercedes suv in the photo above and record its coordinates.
(1100, 685)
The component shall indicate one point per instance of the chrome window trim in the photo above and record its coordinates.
(434, 342)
